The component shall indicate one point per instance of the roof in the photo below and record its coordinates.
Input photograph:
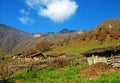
(35, 55)
(107, 52)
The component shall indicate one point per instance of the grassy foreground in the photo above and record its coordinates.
(51, 75)
(68, 74)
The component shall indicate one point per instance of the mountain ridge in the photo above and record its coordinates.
(12, 39)
(65, 30)
(112, 24)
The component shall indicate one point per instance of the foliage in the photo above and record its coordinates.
(43, 45)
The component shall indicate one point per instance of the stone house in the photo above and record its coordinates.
(110, 55)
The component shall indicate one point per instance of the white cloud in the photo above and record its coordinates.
(24, 12)
(33, 3)
(56, 10)
(25, 20)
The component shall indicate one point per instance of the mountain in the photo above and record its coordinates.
(110, 25)
(11, 39)
(63, 31)
(48, 33)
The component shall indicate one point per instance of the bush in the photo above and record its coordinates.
(43, 45)
(60, 61)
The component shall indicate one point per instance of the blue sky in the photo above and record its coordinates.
(53, 15)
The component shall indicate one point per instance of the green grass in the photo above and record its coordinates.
(51, 75)
(8, 60)
(77, 48)
(107, 78)
(68, 74)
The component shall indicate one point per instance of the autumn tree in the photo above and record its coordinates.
(43, 45)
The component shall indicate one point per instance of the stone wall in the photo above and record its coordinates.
(113, 60)
(96, 59)
(116, 61)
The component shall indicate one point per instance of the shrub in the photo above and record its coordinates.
(60, 61)
(43, 45)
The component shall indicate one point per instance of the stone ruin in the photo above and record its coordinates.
(109, 55)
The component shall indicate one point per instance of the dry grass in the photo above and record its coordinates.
(96, 70)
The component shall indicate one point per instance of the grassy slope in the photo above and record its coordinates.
(77, 48)
(68, 74)
(107, 78)
(52, 75)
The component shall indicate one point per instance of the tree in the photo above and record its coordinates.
(43, 45)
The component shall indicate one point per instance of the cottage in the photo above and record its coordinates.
(110, 55)
(18, 55)
(37, 55)
(29, 56)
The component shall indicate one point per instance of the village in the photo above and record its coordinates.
(109, 55)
